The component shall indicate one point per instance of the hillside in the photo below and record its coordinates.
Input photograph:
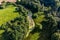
(30, 20)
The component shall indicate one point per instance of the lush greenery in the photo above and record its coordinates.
(15, 22)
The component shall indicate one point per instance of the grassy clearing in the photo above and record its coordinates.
(7, 14)
(39, 19)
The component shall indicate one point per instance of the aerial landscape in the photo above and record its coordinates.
(29, 19)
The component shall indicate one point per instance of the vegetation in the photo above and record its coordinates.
(30, 20)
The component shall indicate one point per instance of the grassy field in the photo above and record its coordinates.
(7, 14)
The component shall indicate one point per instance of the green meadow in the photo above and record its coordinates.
(7, 14)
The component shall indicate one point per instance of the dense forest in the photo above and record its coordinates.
(30, 20)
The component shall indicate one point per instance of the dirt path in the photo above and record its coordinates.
(31, 24)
